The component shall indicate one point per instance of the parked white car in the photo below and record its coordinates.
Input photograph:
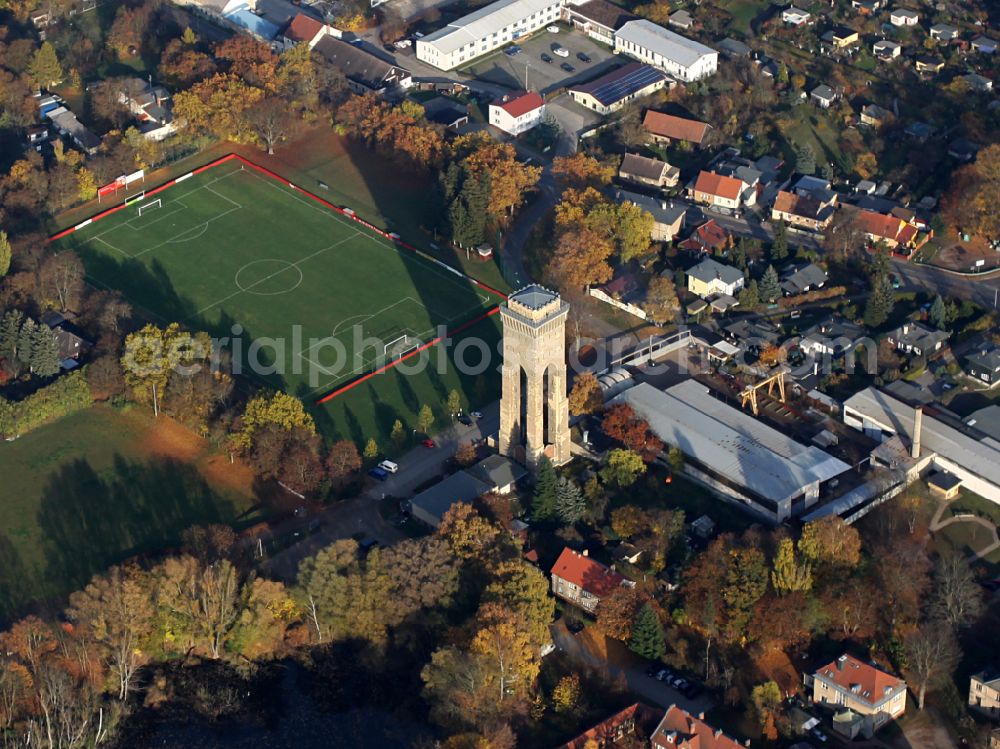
(552, 29)
(561, 51)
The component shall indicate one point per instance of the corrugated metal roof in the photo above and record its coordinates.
(483, 22)
(980, 457)
(664, 42)
(731, 442)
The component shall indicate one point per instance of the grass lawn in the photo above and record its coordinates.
(310, 298)
(815, 128)
(98, 487)
(965, 538)
(743, 12)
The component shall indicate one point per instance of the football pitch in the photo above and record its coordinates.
(313, 298)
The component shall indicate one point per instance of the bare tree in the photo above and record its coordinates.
(932, 654)
(957, 598)
(60, 279)
(270, 121)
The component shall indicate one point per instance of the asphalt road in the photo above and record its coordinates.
(982, 290)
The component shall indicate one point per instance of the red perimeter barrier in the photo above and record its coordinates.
(327, 204)
(423, 347)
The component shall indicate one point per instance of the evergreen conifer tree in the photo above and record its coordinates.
(769, 289)
(647, 634)
(570, 504)
(24, 338)
(880, 302)
(44, 352)
(543, 503)
(779, 248)
(10, 331)
(938, 314)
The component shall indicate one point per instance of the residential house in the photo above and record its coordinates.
(668, 216)
(842, 37)
(304, 29)
(823, 95)
(709, 238)
(679, 729)
(710, 277)
(151, 105)
(984, 45)
(886, 49)
(364, 72)
(501, 474)
(612, 91)
(583, 581)
(622, 292)
(798, 279)
(963, 149)
(984, 366)
(849, 683)
(682, 20)
(802, 210)
(943, 32)
(752, 334)
(918, 339)
(679, 56)
(892, 231)
(904, 17)
(919, 131)
(667, 128)
(721, 191)
(598, 19)
(984, 693)
(796, 16)
(979, 83)
(244, 19)
(612, 731)
(833, 337)
(72, 345)
(928, 64)
(646, 171)
(66, 123)
(517, 113)
(867, 7)
(875, 116)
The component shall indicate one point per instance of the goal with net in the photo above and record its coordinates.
(399, 347)
(150, 205)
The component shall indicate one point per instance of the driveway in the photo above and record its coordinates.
(653, 691)
(422, 464)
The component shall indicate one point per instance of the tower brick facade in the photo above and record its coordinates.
(534, 423)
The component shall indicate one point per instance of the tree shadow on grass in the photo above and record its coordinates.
(15, 587)
(90, 521)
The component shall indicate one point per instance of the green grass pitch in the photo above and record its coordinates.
(230, 248)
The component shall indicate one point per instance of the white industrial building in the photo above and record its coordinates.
(485, 30)
(964, 452)
(733, 453)
(679, 56)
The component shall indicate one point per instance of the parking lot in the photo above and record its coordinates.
(528, 70)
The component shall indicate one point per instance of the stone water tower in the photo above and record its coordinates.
(534, 407)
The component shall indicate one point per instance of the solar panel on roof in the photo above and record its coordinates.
(636, 80)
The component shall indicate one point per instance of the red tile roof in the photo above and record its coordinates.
(586, 573)
(708, 236)
(607, 730)
(864, 680)
(796, 205)
(522, 104)
(303, 28)
(719, 185)
(879, 225)
(675, 128)
(679, 729)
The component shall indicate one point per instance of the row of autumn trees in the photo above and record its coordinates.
(462, 602)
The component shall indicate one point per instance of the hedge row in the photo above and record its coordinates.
(64, 396)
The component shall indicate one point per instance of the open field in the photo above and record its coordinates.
(310, 298)
(99, 487)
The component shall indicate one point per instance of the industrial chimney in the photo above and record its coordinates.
(918, 422)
